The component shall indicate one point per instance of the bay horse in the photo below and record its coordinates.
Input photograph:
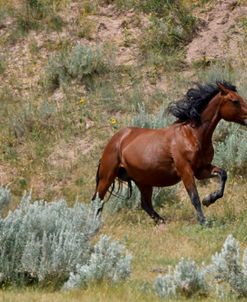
(181, 152)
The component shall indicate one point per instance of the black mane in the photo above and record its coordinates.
(190, 107)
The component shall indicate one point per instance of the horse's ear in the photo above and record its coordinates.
(223, 89)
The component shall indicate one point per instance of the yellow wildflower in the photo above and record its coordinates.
(113, 121)
(82, 101)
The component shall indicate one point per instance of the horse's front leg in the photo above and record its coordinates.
(209, 172)
(188, 179)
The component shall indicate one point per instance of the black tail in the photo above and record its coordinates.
(120, 186)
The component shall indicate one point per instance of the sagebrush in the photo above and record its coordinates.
(106, 262)
(231, 148)
(186, 279)
(226, 270)
(228, 267)
(82, 63)
(47, 242)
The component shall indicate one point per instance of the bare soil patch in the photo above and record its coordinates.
(220, 35)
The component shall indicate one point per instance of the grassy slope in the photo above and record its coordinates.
(41, 159)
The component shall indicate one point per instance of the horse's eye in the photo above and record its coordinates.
(236, 102)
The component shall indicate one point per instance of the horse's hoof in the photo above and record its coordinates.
(160, 221)
(206, 201)
(206, 224)
(202, 220)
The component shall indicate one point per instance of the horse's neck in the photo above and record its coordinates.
(209, 120)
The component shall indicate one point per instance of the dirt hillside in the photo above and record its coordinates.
(221, 34)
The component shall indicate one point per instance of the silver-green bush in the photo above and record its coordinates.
(46, 242)
(107, 261)
(85, 61)
(165, 286)
(42, 240)
(5, 197)
(80, 63)
(231, 148)
(227, 266)
(226, 274)
(187, 279)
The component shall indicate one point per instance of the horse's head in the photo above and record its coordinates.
(233, 108)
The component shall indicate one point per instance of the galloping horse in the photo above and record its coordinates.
(183, 151)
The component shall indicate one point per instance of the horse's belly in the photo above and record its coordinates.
(158, 180)
(154, 177)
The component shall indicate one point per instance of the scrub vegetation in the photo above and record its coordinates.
(73, 73)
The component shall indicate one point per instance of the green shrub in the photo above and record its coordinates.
(86, 28)
(32, 119)
(164, 35)
(86, 62)
(82, 63)
(170, 28)
(56, 71)
(35, 14)
(156, 7)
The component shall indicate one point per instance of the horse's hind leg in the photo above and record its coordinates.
(106, 174)
(146, 203)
